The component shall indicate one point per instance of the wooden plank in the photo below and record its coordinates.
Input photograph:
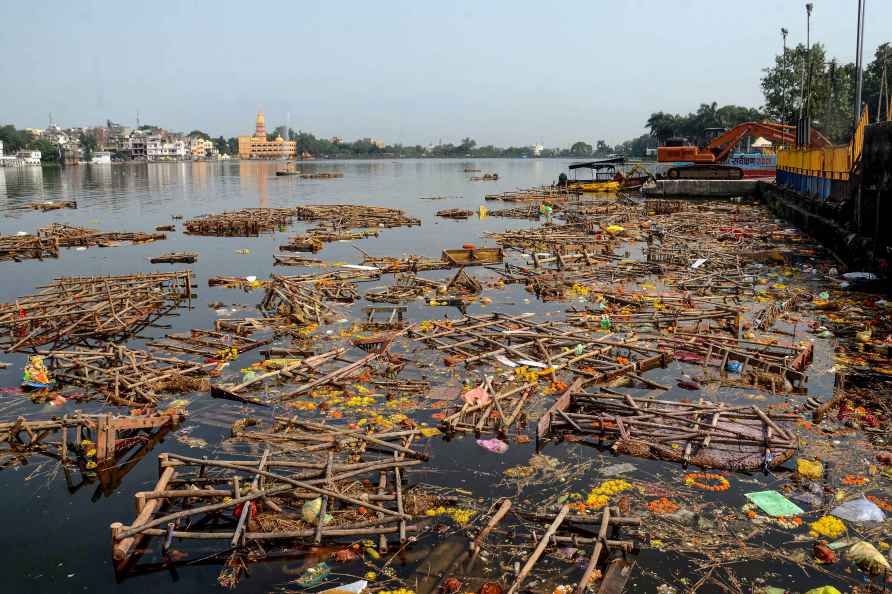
(540, 548)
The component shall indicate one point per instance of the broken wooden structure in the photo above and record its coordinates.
(247, 222)
(767, 364)
(518, 341)
(706, 434)
(473, 256)
(612, 546)
(53, 205)
(307, 373)
(302, 243)
(84, 310)
(406, 287)
(80, 439)
(486, 408)
(313, 484)
(384, 318)
(72, 236)
(657, 311)
(27, 247)
(280, 260)
(175, 258)
(455, 213)
(125, 376)
(219, 346)
(355, 216)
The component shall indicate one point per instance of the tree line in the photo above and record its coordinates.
(831, 96)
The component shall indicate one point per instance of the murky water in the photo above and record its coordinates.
(58, 524)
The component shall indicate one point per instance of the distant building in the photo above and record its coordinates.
(135, 144)
(56, 135)
(101, 158)
(28, 157)
(336, 140)
(34, 131)
(203, 149)
(537, 150)
(258, 147)
(159, 148)
(374, 142)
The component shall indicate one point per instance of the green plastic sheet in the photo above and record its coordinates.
(774, 504)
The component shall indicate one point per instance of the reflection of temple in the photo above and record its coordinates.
(258, 147)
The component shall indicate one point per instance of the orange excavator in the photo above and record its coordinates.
(707, 162)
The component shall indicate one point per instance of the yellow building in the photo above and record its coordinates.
(258, 147)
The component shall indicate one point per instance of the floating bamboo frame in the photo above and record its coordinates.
(84, 310)
(706, 434)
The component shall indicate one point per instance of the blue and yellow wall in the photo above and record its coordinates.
(821, 172)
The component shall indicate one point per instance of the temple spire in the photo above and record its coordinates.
(260, 127)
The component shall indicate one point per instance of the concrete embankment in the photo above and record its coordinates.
(701, 188)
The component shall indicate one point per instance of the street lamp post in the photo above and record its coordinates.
(783, 118)
(859, 52)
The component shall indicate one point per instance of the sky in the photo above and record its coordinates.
(415, 72)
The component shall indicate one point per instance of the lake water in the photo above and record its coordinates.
(57, 522)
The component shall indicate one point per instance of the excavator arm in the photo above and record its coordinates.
(720, 147)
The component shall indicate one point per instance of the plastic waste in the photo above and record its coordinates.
(824, 590)
(496, 446)
(665, 589)
(824, 296)
(810, 469)
(859, 276)
(733, 366)
(351, 588)
(477, 396)
(868, 558)
(310, 511)
(688, 383)
(314, 576)
(859, 510)
(774, 504)
(823, 553)
(617, 469)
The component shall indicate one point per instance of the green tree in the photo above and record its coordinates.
(466, 146)
(89, 142)
(873, 75)
(49, 152)
(219, 143)
(581, 149)
(602, 149)
(199, 134)
(232, 146)
(663, 125)
(13, 140)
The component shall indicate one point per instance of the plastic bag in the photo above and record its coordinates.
(310, 511)
(810, 469)
(496, 446)
(351, 588)
(859, 510)
(824, 590)
(868, 558)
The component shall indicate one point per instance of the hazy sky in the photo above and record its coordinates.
(506, 73)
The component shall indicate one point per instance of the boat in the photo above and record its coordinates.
(605, 177)
(289, 170)
(473, 256)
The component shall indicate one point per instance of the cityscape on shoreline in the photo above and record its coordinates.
(118, 143)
